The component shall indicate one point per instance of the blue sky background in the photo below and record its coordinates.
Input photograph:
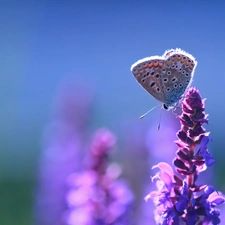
(95, 43)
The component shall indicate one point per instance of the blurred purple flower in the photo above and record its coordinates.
(136, 155)
(178, 199)
(93, 196)
(63, 141)
(96, 195)
(142, 147)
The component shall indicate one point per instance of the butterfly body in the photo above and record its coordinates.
(166, 77)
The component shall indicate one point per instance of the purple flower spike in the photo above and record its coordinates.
(96, 194)
(178, 199)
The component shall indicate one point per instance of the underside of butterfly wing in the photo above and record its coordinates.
(148, 73)
(179, 75)
(166, 77)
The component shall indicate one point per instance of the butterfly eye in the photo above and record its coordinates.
(157, 75)
(169, 73)
(173, 66)
(187, 81)
(165, 80)
(165, 107)
(183, 72)
(175, 85)
(180, 85)
(158, 89)
(143, 80)
(168, 89)
(152, 73)
(187, 74)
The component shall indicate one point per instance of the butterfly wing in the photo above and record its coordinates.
(166, 77)
(179, 74)
(148, 72)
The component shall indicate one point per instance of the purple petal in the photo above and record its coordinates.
(216, 198)
(165, 167)
(209, 159)
(182, 204)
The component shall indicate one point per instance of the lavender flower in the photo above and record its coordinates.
(96, 196)
(179, 200)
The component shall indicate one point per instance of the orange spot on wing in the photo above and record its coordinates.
(174, 58)
(188, 63)
(156, 64)
(150, 65)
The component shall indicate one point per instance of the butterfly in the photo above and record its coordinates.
(166, 77)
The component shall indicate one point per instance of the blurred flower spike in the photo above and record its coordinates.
(178, 199)
(96, 194)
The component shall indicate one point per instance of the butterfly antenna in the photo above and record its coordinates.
(141, 117)
(160, 115)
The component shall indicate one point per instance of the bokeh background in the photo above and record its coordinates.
(86, 48)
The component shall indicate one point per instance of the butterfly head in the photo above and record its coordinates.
(165, 106)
